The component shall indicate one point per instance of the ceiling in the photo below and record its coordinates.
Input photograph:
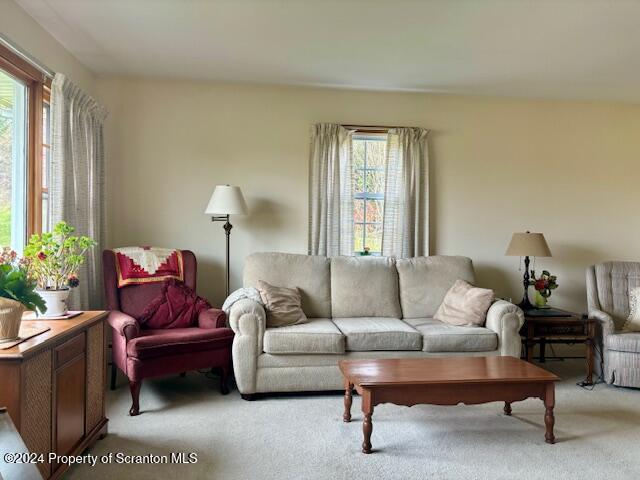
(560, 49)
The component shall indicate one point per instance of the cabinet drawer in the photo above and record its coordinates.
(69, 350)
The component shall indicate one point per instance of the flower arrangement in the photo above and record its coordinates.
(53, 258)
(15, 282)
(543, 285)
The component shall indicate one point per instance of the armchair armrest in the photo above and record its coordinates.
(248, 320)
(506, 319)
(212, 318)
(605, 320)
(124, 324)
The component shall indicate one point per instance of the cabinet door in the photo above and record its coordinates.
(69, 404)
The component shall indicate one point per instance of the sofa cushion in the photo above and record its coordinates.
(177, 341)
(378, 333)
(624, 342)
(465, 305)
(309, 273)
(424, 281)
(364, 287)
(442, 337)
(317, 335)
(282, 305)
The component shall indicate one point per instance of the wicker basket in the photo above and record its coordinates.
(10, 318)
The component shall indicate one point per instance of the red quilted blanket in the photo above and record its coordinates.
(148, 264)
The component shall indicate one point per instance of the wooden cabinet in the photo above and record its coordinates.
(55, 387)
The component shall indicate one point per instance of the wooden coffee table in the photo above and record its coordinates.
(445, 381)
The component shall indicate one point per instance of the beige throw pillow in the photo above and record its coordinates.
(282, 305)
(465, 305)
(633, 320)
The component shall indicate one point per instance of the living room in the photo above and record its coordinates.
(510, 117)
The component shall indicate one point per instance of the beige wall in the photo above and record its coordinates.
(569, 170)
(26, 33)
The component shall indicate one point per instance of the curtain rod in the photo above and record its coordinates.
(371, 128)
(367, 127)
(26, 57)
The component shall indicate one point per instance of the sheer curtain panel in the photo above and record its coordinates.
(77, 174)
(406, 202)
(330, 191)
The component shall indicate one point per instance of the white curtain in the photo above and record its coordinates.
(77, 179)
(330, 191)
(406, 201)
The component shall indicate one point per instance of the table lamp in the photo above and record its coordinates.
(226, 200)
(527, 245)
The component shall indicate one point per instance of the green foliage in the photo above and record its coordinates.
(16, 284)
(5, 225)
(55, 257)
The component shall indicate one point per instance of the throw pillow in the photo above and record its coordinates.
(283, 305)
(465, 305)
(177, 306)
(633, 320)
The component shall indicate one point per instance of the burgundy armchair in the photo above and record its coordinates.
(142, 353)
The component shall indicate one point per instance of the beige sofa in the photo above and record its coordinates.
(358, 307)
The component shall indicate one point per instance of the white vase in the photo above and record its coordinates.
(55, 301)
(10, 318)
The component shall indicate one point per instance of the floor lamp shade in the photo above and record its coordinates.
(226, 200)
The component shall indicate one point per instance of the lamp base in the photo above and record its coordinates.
(525, 304)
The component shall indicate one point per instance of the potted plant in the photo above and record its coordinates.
(53, 261)
(17, 293)
(543, 286)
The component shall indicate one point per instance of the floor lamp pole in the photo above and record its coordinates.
(227, 230)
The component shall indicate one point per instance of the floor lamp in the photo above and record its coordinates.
(226, 200)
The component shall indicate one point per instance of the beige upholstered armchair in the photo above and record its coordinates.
(608, 287)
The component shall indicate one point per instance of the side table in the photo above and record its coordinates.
(53, 386)
(552, 326)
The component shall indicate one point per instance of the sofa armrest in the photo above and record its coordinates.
(506, 319)
(248, 320)
(606, 321)
(124, 324)
(247, 317)
(212, 318)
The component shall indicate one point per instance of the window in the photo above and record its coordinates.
(24, 150)
(13, 152)
(368, 160)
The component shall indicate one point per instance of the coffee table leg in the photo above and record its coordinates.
(549, 420)
(367, 426)
(348, 400)
(507, 408)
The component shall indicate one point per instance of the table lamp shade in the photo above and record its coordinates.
(226, 200)
(528, 244)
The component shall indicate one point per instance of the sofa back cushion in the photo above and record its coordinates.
(310, 274)
(364, 287)
(424, 281)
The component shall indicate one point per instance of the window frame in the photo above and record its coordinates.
(366, 195)
(38, 88)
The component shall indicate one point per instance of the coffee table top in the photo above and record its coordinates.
(442, 370)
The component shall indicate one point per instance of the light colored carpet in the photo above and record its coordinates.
(597, 432)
